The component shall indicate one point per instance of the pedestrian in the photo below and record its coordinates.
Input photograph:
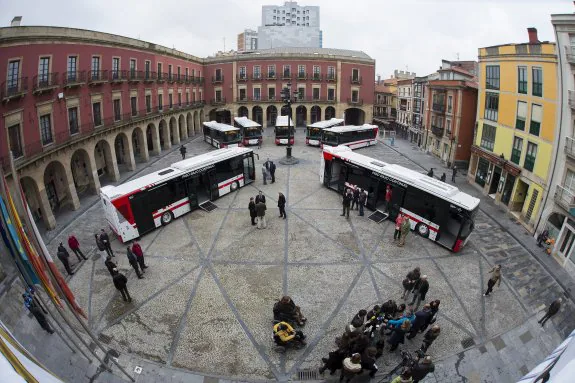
(362, 201)
(99, 244)
(355, 199)
(333, 362)
(398, 335)
(434, 309)
(422, 368)
(121, 282)
(63, 256)
(398, 221)
(106, 241)
(430, 337)
(443, 177)
(358, 322)
(419, 291)
(133, 262)
(282, 205)
(410, 281)
(74, 245)
(405, 377)
(495, 278)
(388, 196)
(347, 197)
(252, 208)
(421, 318)
(267, 164)
(37, 312)
(183, 151)
(273, 171)
(454, 173)
(351, 367)
(264, 174)
(110, 265)
(260, 197)
(553, 309)
(139, 253)
(261, 212)
(430, 173)
(368, 361)
(405, 229)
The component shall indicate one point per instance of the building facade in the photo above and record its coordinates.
(516, 116)
(417, 128)
(558, 213)
(404, 107)
(248, 40)
(450, 110)
(79, 108)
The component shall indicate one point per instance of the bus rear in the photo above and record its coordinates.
(250, 131)
(283, 134)
(118, 223)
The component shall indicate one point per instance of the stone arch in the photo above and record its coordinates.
(140, 145)
(153, 139)
(124, 152)
(84, 173)
(174, 133)
(243, 112)
(258, 114)
(190, 124)
(59, 186)
(354, 116)
(285, 110)
(271, 115)
(315, 115)
(329, 113)
(38, 202)
(106, 165)
(165, 142)
(301, 116)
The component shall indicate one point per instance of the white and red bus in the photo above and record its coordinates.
(350, 135)
(221, 135)
(145, 203)
(436, 209)
(282, 133)
(313, 131)
(250, 131)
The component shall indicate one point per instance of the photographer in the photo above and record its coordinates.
(423, 367)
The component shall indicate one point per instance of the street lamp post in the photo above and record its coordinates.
(287, 98)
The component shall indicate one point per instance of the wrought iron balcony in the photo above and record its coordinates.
(74, 78)
(135, 76)
(150, 77)
(118, 76)
(257, 77)
(162, 77)
(44, 83)
(241, 77)
(218, 101)
(217, 79)
(565, 198)
(438, 131)
(438, 107)
(171, 78)
(331, 78)
(302, 76)
(286, 76)
(355, 102)
(242, 99)
(180, 79)
(316, 77)
(14, 89)
(355, 80)
(271, 76)
(198, 80)
(570, 147)
(97, 77)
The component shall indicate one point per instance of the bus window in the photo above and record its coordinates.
(231, 136)
(330, 138)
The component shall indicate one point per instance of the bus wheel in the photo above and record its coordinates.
(167, 217)
(422, 229)
(234, 186)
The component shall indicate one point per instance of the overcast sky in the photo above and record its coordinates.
(399, 34)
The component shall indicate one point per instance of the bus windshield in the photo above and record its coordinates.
(252, 132)
(330, 138)
(467, 224)
(282, 131)
(314, 132)
(231, 136)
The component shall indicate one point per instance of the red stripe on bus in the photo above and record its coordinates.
(231, 182)
(358, 142)
(171, 209)
(417, 220)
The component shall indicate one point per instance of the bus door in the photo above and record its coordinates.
(397, 196)
(373, 201)
(343, 170)
(142, 213)
(191, 191)
(212, 184)
(249, 170)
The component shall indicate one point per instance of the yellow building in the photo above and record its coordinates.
(516, 113)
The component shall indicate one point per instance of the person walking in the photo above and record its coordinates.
(121, 282)
(139, 253)
(398, 221)
(261, 212)
(99, 244)
(347, 197)
(495, 278)
(443, 177)
(110, 265)
(419, 292)
(63, 256)
(273, 171)
(411, 279)
(264, 174)
(430, 173)
(106, 241)
(183, 151)
(282, 205)
(362, 200)
(37, 312)
(421, 318)
(260, 198)
(388, 195)
(74, 245)
(453, 173)
(553, 309)
(430, 337)
(405, 229)
(134, 262)
(355, 199)
(252, 208)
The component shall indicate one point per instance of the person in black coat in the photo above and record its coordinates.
(260, 197)
(346, 202)
(421, 318)
(421, 369)
(110, 265)
(419, 291)
(430, 337)
(252, 207)
(63, 256)
(368, 361)
(553, 309)
(121, 282)
(106, 242)
(355, 199)
(398, 335)
(134, 262)
(282, 205)
(333, 362)
(273, 171)
(434, 309)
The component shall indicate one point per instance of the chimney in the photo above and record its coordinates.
(378, 79)
(532, 32)
(16, 21)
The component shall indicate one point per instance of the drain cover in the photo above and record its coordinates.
(378, 216)
(307, 374)
(208, 206)
(468, 342)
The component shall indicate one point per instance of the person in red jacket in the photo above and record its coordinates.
(75, 246)
(137, 250)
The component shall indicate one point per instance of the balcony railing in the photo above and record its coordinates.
(96, 77)
(316, 77)
(330, 78)
(570, 55)
(74, 78)
(171, 78)
(150, 76)
(135, 75)
(44, 82)
(271, 76)
(217, 79)
(241, 77)
(118, 76)
(242, 99)
(565, 198)
(355, 80)
(180, 79)
(198, 80)
(162, 77)
(437, 107)
(257, 77)
(570, 147)
(572, 99)
(302, 76)
(356, 102)
(286, 76)
(218, 101)
(438, 131)
(14, 89)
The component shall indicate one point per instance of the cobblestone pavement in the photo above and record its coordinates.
(203, 311)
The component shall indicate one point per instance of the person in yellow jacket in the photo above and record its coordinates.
(286, 333)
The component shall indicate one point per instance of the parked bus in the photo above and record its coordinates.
(250, 131)
(145, 203)
(436, 209)
(281, 131)
(313, 131)
(221, 135)
(350, 135)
